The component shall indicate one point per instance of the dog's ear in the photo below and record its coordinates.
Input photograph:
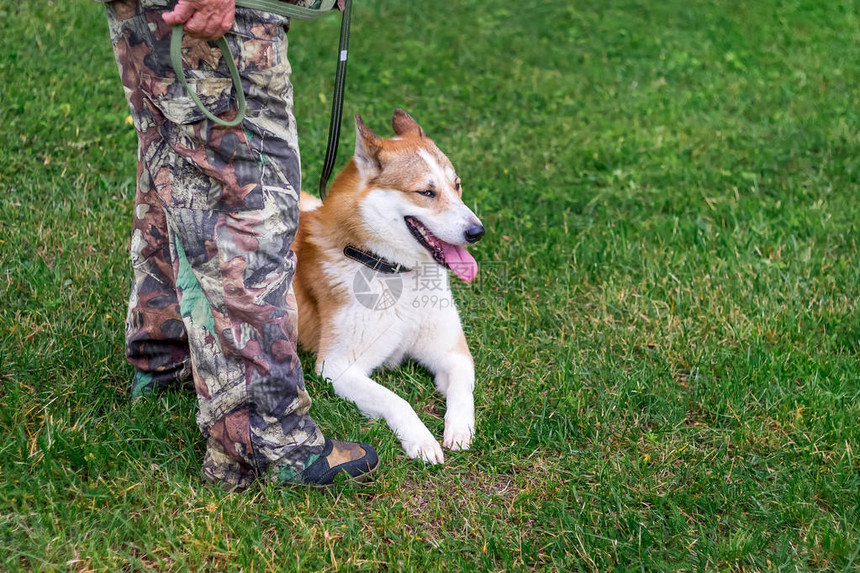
(404, 123)
(367, 146)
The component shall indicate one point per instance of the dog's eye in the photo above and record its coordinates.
(457, 185)
(427, 193)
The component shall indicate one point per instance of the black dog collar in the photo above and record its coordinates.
(373, 262)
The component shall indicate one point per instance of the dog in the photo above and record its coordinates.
(371, 279)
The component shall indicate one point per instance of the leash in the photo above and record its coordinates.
(291, 11)
(337, 99)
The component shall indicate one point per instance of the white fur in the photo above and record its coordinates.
(436, 172)
(422, 325)
(383, 212)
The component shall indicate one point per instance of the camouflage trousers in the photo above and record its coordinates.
(216, 211)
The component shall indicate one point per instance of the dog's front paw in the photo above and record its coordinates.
(457, 436)
(427, 449)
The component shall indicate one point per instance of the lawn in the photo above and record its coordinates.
(665, 324)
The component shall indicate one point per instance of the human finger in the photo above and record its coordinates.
(202, 27)
(227, 22)
(180, 13)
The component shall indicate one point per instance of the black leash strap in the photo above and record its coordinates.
(337, 100)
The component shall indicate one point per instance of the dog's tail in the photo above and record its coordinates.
(308, 202)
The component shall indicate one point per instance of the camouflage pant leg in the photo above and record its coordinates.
(231, 208)
(156, 340)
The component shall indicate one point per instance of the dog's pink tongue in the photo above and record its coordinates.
(460, 261)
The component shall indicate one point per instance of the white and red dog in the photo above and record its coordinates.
(392, 222)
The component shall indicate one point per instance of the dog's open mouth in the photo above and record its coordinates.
(454, 257)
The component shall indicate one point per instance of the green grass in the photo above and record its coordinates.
(665, 329)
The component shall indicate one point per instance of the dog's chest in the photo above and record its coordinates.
(397, 313)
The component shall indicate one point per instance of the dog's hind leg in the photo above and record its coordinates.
(376, 401)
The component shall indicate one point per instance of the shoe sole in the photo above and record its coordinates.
(356, 480)
(360, 480)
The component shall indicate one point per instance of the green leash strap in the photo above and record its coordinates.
(176, 60)
(281, 8)
(291, 11)
(272, 6)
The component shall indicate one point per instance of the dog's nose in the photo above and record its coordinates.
(474, 233)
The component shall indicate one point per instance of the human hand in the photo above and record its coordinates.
(204, 19)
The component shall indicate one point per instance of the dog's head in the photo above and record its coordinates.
(412, 203)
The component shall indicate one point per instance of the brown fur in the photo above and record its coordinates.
(326, 230)
(399, 199)
(322, 235)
